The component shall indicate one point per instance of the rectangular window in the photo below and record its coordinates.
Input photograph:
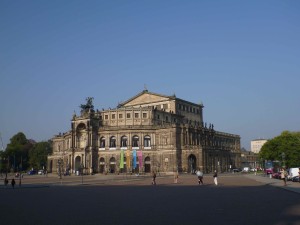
(120, 116)
(165, 106)
(113, 116)
(106, 117)
(128, 115)
(136, 115)
(144, 115)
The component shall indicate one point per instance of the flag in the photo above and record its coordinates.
(140, 156)
(122, 159)
(128, 159)
(134, 158)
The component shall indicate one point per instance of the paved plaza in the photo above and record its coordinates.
(129, 199)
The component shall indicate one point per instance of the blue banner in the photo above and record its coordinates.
(134, 158)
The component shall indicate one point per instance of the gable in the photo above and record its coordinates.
(145, 98)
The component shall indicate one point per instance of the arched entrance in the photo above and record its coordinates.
(147, 165)
(101, 165)
(112, 165)
(192, 163)
(77, 163)
(50, 166)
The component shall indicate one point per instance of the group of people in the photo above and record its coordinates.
(199, 174)
(284, 175)
(13, 182)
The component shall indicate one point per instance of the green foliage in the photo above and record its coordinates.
(22, 154)
(285, 147)
(38, 155)
(16, 152)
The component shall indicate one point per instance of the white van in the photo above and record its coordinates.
(293, 172)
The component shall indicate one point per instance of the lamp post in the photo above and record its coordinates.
(283, 158)
(59, 164)
(81, 170)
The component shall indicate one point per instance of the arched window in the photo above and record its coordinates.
(147, 141)
(102, 142)
(135, 141)
(124, 141)
(112, 142)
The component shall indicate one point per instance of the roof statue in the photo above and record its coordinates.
(88, 105)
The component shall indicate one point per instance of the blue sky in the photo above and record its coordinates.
(241, 59)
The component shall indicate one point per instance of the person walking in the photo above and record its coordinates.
(13, 182)
(153, 178)
(175, 177)
(283, 176)
(5, 181)
(215, 176)
(200, 177)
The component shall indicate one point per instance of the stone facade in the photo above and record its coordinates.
(167, 132)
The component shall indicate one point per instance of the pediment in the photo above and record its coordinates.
(145, 98)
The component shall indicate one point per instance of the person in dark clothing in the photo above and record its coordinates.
(200, 177)
(13, 182)
(154, 178)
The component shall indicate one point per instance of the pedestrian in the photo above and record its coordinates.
(176, 177)
(5, 181)
(200, 177)
(13, 182)
(283, 176)
(153, 178)
(215, 176)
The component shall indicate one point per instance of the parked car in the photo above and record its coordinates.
(31, 172)
(295, 179)
(276, 175)
(41, 172)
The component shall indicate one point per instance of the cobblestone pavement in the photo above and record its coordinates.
(122, 200)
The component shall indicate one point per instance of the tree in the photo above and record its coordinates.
(38, 155)
(17, 151)
(285, 148)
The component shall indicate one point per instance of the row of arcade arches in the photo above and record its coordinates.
(111, 166)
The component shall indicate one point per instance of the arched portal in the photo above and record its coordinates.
(77, 163)
(192, 163)
(101, 165)
(147, 165)
(112, 165)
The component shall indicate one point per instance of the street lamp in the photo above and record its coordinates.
(283, 158)
(59, 164)
(81, 170)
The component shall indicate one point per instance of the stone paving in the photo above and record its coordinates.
(121, 200)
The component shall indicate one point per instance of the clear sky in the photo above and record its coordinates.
(241, 59)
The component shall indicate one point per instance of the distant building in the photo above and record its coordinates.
(149, 132)
(250, 159)
(257, 144)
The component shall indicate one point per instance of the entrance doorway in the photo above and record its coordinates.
(77, 163)
(147, 165)
(192, 163)
(101, 165)
(112, 165)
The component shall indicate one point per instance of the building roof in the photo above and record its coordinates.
(165, 97)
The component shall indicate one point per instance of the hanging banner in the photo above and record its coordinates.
(134, 158)
(128, 159)
(140, 156)
(122, 159)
